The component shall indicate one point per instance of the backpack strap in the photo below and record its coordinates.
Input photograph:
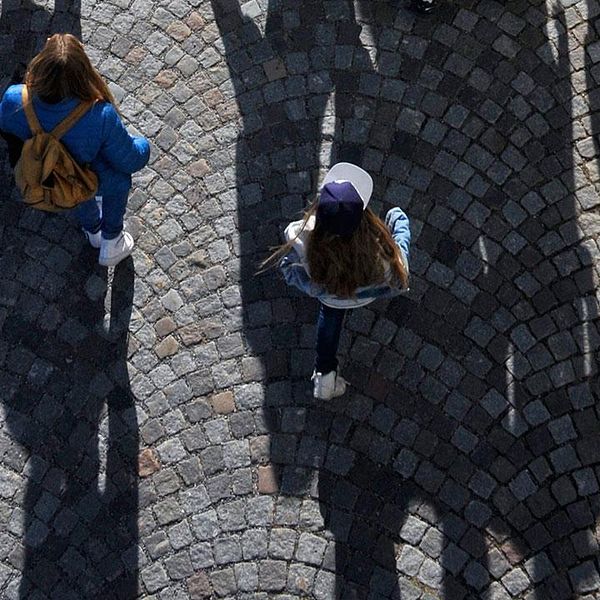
(32, 119)
(71, 119)
(63, 126)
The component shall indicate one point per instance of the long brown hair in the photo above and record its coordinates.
(341, 265)
(63, 70)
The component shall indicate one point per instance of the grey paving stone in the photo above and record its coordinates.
(179, 566)
(410, 560)
(413, 530)
(223, 581)
(324, 585)
(154, 577)
(515, 582)
(246, 576)
(476, 576)
(540, 568)
(431, 573)
(227, 550)
(585, 577)
(201, 555)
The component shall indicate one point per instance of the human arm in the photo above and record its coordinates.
(8, 108)
(119, 149)
(398, 224)
(12, 118)
(295, 275)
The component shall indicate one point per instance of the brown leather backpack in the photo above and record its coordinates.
(46, 174)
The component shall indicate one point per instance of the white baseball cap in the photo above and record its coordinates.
(359, 178)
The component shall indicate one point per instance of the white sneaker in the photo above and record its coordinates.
(114, 251)
(328, 386)
(95, 239)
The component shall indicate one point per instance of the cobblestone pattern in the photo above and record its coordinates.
(187, 459)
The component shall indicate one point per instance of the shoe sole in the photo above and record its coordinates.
(334, 395)
(117, 258)
(113, 261)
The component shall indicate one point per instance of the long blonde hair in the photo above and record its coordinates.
(63, 70)
(341, 265)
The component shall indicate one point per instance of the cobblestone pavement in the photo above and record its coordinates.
(188, 459)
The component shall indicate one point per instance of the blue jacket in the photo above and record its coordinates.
(295, 267)
(99, 138)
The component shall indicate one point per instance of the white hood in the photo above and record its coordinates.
(298, 236)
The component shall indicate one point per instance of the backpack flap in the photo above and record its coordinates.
(50, 159)
(46, 174)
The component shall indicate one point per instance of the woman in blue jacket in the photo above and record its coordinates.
(342, 254)
(58, 79)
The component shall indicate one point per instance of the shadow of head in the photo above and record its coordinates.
(24, 27)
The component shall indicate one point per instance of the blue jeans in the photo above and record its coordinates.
(329, 328)
(113, 189)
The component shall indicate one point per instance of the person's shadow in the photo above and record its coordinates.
(71, 426)
(299, 114)
(460, 390)
(283, 102)
(24, 27)
(69, 441)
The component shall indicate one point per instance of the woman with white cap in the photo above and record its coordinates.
(345, 256)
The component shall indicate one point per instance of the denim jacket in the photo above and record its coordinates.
(295, 268)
